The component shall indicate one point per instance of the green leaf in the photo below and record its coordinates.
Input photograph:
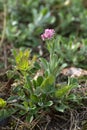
(61, 108)
(49, 103)
(38, 92)
(33, 98)
(29, 118)
(44, 63)
(48, 81)
(22, 112)
(2, 103)
(73, 97)
(23, 64)
(34, 83)
(4, 113)
(40, 104)
(26, 105)
(11, 98)
(28, 83)
(63, 91)
(47, 85)
(73, 81)
(22, 107)
(22, 60)
(39, 81)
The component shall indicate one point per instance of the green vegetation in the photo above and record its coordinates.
(27, 19)
(34, 84)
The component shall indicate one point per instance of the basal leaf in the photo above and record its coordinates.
(48, 81)
(63, 91)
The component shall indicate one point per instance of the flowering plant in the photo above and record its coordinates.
(53, 66)
(48, 34)
(34, 92)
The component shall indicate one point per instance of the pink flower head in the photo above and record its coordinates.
(48, 34)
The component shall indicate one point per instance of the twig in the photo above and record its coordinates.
(17, 125)
(35, 122)
(5, 57)
(4, 24)
(38, 127)
(72, 121)
(47, 125)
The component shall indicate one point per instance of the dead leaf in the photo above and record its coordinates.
(74, 72)
(39, 73)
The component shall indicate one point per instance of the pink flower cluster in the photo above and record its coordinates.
(48, 34)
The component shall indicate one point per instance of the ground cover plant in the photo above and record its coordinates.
(43, 65)
(36, 90)
(65, 16)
